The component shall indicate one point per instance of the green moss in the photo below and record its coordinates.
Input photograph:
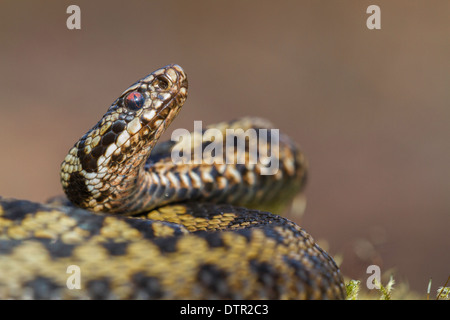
(443, 293)
(392, 291)
(353, 289)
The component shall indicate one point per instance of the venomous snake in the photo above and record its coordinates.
(138, 225)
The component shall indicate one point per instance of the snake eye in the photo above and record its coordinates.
(134, 100)
(161, 82)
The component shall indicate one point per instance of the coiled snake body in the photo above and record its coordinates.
(138, 225)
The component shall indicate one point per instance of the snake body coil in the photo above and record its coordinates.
(141, 226)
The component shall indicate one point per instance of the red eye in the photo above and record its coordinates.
(134, 100)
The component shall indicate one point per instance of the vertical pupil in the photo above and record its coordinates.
(134, 100)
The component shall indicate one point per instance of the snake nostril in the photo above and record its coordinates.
(161, 82)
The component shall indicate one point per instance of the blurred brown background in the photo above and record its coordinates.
(370, 109)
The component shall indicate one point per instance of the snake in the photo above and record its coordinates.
(136, 224)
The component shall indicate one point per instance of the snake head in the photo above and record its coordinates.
(151, 103)
(121, 141)
(134, 122)
(154, 98)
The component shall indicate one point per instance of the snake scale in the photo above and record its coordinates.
(138, 225)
